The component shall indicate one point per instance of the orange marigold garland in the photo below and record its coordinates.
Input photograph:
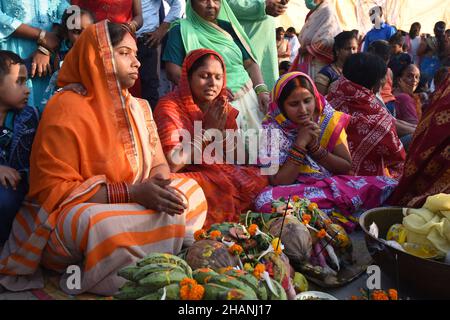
(296, 198)
(252, 229)
(259, 270)
(379, 295)
(306, 218)
(191, 290)
(393, 294)
(214, 235)
(200, 235)
(312, 206)
(321, 234)
(235, 249)
(187, 281)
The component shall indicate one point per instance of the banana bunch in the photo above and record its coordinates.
(237, 285)
(156, 276)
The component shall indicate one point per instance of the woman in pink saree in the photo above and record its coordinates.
(313, 156)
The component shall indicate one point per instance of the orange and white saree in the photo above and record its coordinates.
(82, 143)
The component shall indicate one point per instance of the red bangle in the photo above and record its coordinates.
(117, 192)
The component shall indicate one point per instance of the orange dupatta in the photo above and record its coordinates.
(81, 143)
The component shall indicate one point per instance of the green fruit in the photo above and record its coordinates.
(157, 280)
(300, 283)
(234, 283)
(132, 291)
(165, 258)
(203, 275)
(215, 291)
(255, 284)
(156, 267)
(128, 272)
(278, 288)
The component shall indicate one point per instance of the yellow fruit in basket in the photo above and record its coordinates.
(397, 232)
(300, 283)
(420, 250)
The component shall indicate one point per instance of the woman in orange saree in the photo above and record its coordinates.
(99, 183)
(230, 189)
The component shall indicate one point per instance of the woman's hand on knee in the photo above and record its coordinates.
(156, 194)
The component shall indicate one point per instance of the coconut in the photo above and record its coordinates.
(295, 238)
(210, 254)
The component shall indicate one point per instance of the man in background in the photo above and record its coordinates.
(149, 38)
(257, 19)
(292, 36)
(381, 30)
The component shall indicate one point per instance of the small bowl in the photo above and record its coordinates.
(314, 295)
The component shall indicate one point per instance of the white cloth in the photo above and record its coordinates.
(295, 46)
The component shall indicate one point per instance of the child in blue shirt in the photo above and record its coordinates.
(18, 124)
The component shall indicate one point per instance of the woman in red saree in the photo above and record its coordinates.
(372, 137)
(230, 189)
(427, 167)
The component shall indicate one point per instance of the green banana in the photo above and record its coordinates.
(155, 267)
(203, 275)
(128, 272)
(165, 258)
(132, 291)
(251, 281)
(215, 291)
(233, 283)
(161, 279)
(278, 288)
(172, 293)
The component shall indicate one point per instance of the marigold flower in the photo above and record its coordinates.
(296, 198)
(188, 281)
(393, 294)
(277, 247)
(274, 209)
(235, 249)
(306, 217)
(194, 292)
(259, 270)
(354, 298)
(321, 234)
(379, 295)
(312, 206)
(215, 234)
(252, 229)
(199, 235)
